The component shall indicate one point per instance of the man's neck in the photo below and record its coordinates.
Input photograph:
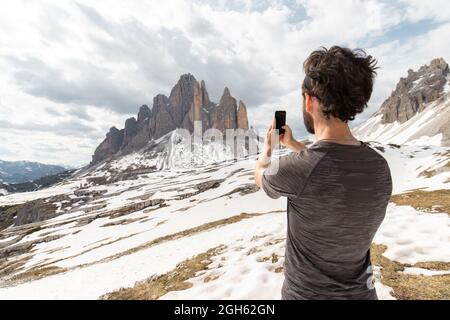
(335, 131)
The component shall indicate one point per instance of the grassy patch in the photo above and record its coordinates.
(123, 222)
(433, 265)
(411, 287)
(175, 280)
(9, 266)
(160, 223)
(279, 270)
(273, 258)
(37, 273)
(426, 201)
(432, 173)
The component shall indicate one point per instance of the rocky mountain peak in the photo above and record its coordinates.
(113, 130)
(205, 95)
(109, 146)
(182, 96)
(131, 129)
(439, 63)
(144, 113)
(242, 119)
(187, 103)
(226, 93)
(413, 93)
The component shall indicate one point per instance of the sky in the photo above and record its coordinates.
(70, 70)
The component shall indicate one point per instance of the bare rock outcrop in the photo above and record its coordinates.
(242, 119)
(109, 146)
(144, 114)
(413, 93)
(130, 131)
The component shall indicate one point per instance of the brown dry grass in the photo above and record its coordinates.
(432, 173)
(426, 201)
(37, 273)
(433, 265)
(175, 280)
(411, 287)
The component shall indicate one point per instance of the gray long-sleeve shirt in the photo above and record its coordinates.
(337, 198)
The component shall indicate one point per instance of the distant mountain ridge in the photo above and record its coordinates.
(417, 111)
(24, 171)
(36, 184)
(188, 102)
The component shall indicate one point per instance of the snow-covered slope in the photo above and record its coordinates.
(125, 222)
(424, 128)
(417, 111)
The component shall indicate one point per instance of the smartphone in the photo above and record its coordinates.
(280, 119)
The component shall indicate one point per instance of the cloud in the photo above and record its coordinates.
(90, 87)
(80, 67)
(65, 128)
(436, 10)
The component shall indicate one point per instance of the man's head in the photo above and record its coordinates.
(337, 86)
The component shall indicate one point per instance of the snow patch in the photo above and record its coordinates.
(413, 237)
(424, 272)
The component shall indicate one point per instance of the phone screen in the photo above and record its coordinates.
(280, 119)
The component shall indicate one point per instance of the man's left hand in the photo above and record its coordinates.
(270, 143)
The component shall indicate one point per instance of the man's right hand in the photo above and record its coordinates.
(287, 140)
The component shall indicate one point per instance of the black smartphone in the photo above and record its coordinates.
(280, 119)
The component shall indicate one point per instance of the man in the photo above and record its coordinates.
(337, 189)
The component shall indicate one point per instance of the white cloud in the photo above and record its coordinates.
(94, 63)
(437, 10)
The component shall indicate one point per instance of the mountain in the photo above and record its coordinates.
(24, 171)
(417, 111)
(36, 184)
(188, 102)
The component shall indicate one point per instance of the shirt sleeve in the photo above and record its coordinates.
(288, 175)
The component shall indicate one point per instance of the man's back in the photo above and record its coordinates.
(337, 197)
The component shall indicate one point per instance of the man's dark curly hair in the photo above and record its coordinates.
(341, 79)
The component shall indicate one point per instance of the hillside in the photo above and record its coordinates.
(417, 111)
(110, 228)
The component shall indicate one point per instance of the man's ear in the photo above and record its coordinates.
(308, 103)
